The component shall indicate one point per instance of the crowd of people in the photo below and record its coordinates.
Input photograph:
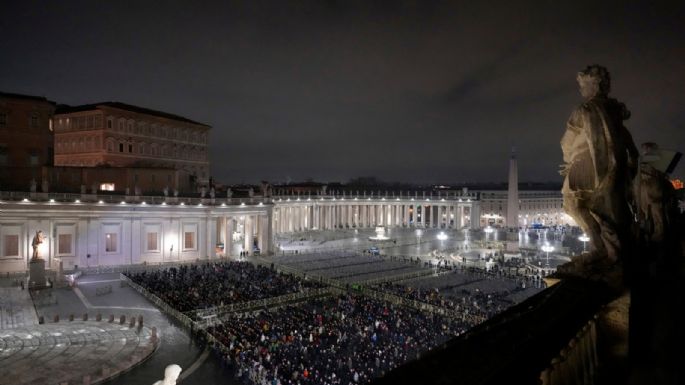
(472, 292)
(192, 287)
(345, 339)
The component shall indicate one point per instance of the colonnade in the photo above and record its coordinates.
(244, 232)
(303, 215)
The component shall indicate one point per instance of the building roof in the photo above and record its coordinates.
(64, 109)
(11, 95)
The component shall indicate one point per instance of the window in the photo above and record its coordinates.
(188, 240)
(3, 119)
(3, 155)
(130, 148)
(152, 242)
(110, 146)
(109, 123)
(110, 242)
(34, 158)
(11, 245)
(34, 121)
(64, 244)
(108, 186)
(121, 147)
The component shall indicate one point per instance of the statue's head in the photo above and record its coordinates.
(594, 81)
(172, 372)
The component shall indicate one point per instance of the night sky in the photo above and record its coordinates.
(412, 91)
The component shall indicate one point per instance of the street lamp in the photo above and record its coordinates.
(584, 238)
(442, 236)
(547, 248)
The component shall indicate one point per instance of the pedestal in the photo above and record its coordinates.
(37, 274)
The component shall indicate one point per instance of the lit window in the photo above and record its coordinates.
(107, 186)
(110, 242)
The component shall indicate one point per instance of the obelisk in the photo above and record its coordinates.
(513, 204)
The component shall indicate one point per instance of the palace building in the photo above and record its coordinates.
(113, 134)
(26, 139)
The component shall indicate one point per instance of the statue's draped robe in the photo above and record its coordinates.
(600, 163)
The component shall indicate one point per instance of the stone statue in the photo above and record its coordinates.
(37, 240)
(203, 192)
(657, 201)
(175, 193)
(166, 191)
(212, 193)
(171, 374)
(600, 163)
(229, 193)
(250, 192)
(33, 185)
(83, 189)
(44, 186)
(94, 188)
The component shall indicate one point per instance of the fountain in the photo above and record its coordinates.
(380, 235)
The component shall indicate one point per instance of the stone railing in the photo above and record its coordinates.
(551, 338)
(577, 362)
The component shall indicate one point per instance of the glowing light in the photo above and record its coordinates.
(25, 200)
(183, 204)
(442, 236)
(101, 202)
(242, 204)
(163, 203)
(584, 238)
(77, 201)
(123, 202)
(52, 201)
(223, 205)
(143, 203)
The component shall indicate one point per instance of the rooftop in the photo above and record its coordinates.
(65, 109)
(11, 95)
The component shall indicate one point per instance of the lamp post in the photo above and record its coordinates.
(547, 248)
(584, 238)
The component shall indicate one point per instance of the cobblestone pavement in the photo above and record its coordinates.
(176, 347)
(66, 352)
(16, 308)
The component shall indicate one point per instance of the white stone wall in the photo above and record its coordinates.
(88, 224)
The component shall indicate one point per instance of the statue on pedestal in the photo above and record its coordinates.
(37, 240)
(600, 164)
(229, 193)
(33, 185)
(171, 374)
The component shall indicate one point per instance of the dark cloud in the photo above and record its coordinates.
(412, 91)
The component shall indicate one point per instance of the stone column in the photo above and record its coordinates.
(228, 245)
(247, 227)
